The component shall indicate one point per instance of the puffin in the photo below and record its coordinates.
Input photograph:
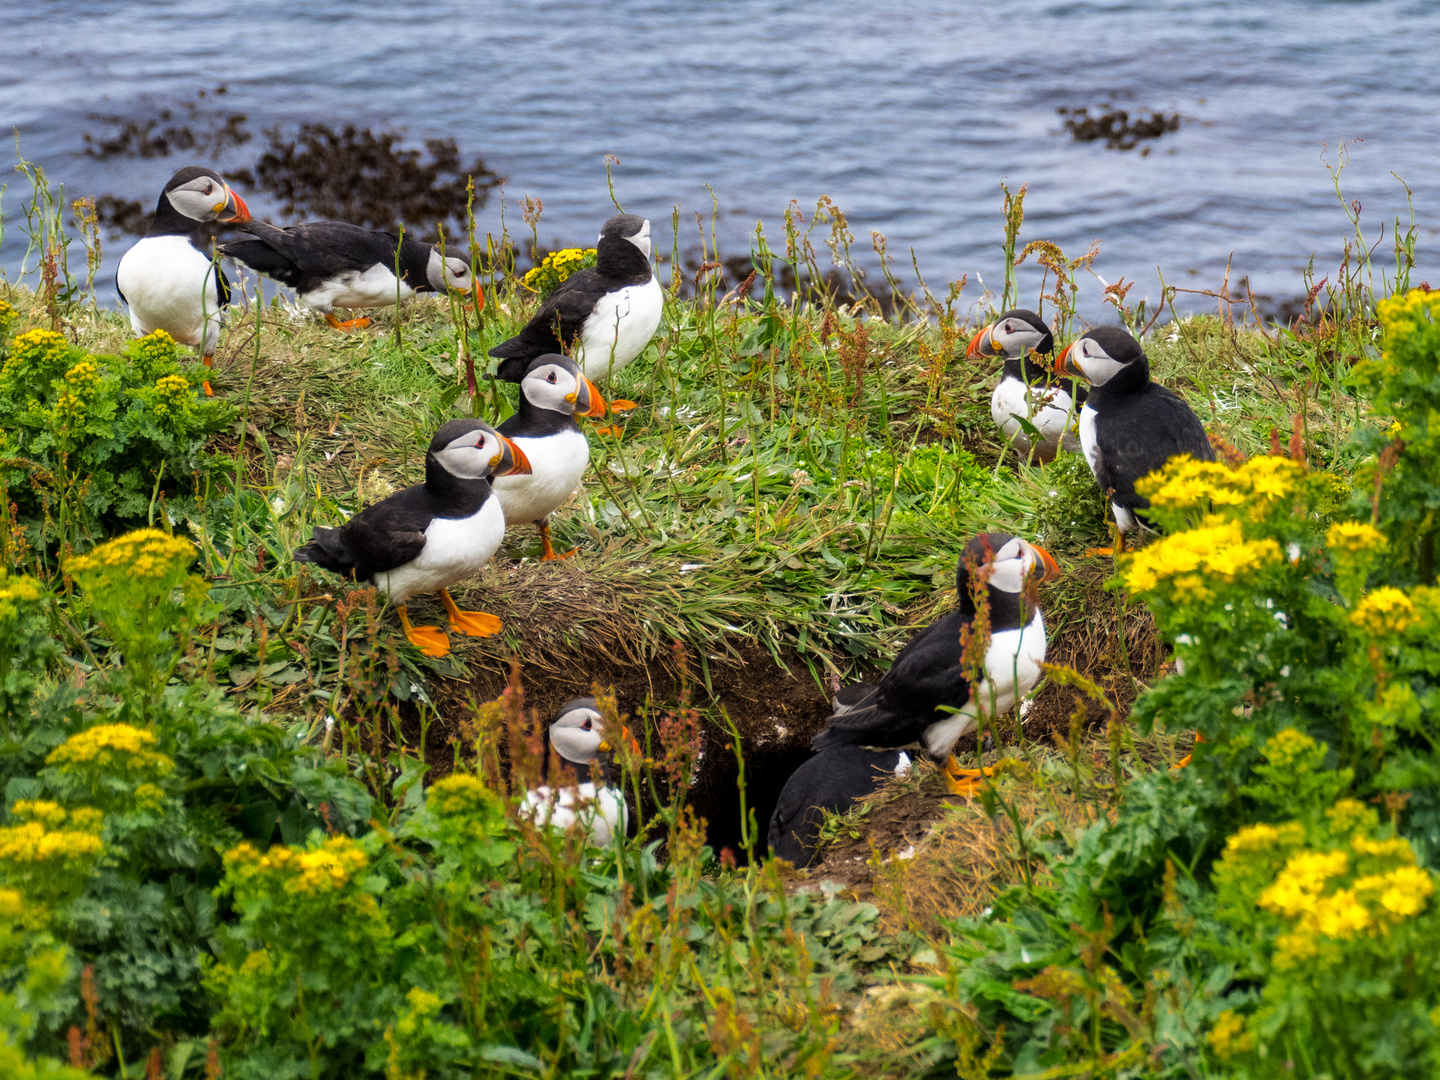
(552, 392)
(1028, 389)
(924, 700)
(169, 280)
(830, 782)
(432, 535)
(603, 316)
(333, 264)
(1129, 426)
(578, 736)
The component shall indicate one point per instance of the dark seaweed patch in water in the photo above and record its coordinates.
(190, 128)
(1116, 127)
(368, 178)
(129, 216)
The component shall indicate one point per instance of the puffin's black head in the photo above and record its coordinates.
(197, 194)
(578, 733)
(1103, 355)
(556, 382)
(1015, 334)
(1004, 562)
(451, 272)
(630, 227)
(471, 449)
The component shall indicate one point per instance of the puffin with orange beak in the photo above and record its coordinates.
(925, 699)
(170, 279)
(431, 536)
(1129, 426)
(588, 796)
(333, 264)
(1028, 389)
(553, 391)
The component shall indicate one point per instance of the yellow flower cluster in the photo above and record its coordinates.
(142, 553)
(8, 315)
(1230, 1036)
(556, 267)
(1187, 485)
(1193, 560)
(327, 868)
(1402, 317)
(37, 840)
(15, 591)
(12, 903)
(1302, 881)
(1257, 839)
(152, 353)
(1354, 538)
(459, 793)
(77, 391)
(1385, 611)
(107, 747)
(171, 399)
(35, 351)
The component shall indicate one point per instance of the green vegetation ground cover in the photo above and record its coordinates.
(226, 850)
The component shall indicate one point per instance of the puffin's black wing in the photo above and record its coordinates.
(316, 249)
(554, 326)
(222, 286)
(830, 781)
(1139, 436)
(264, 259)
(379, 538)
(926, 675)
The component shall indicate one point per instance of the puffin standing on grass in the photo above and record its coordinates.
(830, 782)
(924, 699)
(552, 393)
(430, 536)
(332, 264)
(1028, 389)
(1129, 426)
(169, 279)
(578, 736)
(603, 317)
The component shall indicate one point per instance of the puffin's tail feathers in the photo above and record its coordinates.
(514, 356)
(263, 259)
(327, 549)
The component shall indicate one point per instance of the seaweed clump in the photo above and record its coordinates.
(1116, 127)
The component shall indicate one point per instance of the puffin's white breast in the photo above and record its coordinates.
(1088, 443)
(600, 811)
(557, 462)
(455, 548)
(620, 327)
(372, 288)
(1012, 669)
(1047, 407)
(170, 286)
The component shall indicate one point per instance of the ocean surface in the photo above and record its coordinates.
(908, 116)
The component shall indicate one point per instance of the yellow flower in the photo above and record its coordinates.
(1192, 560)
(1263, 837)
(1340, 915)
(33, 843)
(1347, 815)
(1409, 887)
(12, 904)
(149, 797)
(459, 793)
(1395, 848)
(1354, 538)
(1229, 1036)
(34, 353)
(556, 267)
(109, 745)
(142, 553)
(1300, 884)
(42, 810)
(1385, 611)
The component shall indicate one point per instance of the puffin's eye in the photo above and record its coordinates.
(587, 725)
(550, 378)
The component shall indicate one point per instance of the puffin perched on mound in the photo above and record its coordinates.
(428, 537)
(603, 317)
(168, 279)
(904, 708)
(1028, 389)
(552, 393)
(1129, 426)
(332, 264)
(578, 736)
(830, 782)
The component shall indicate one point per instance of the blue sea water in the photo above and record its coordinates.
(908, 115)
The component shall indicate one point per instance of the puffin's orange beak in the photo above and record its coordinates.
(517, 464)
(479, 299)
(1052, 568)
(630, 739)
(975, 348)
(597, 403)
(1063, 365)
(239, 212)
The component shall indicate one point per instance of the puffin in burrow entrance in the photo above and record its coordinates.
(432, 535)
(588, 795)
(830, 782)
(603, 316)
(552, 393)
(1028, 387)
(904, 709)
(1129, 426)
(333, 264)
(169, 279)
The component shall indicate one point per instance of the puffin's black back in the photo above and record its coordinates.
(1139, 424)
(830, 781)
(391, 533)
(558, 322)
(308, 256)
(927, 674)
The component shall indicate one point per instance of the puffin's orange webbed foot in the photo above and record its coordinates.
(471, 623)
(620, 405)
(207, 361)
(430, 640)
(547, 550)
(964, 781)
(348, 324)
